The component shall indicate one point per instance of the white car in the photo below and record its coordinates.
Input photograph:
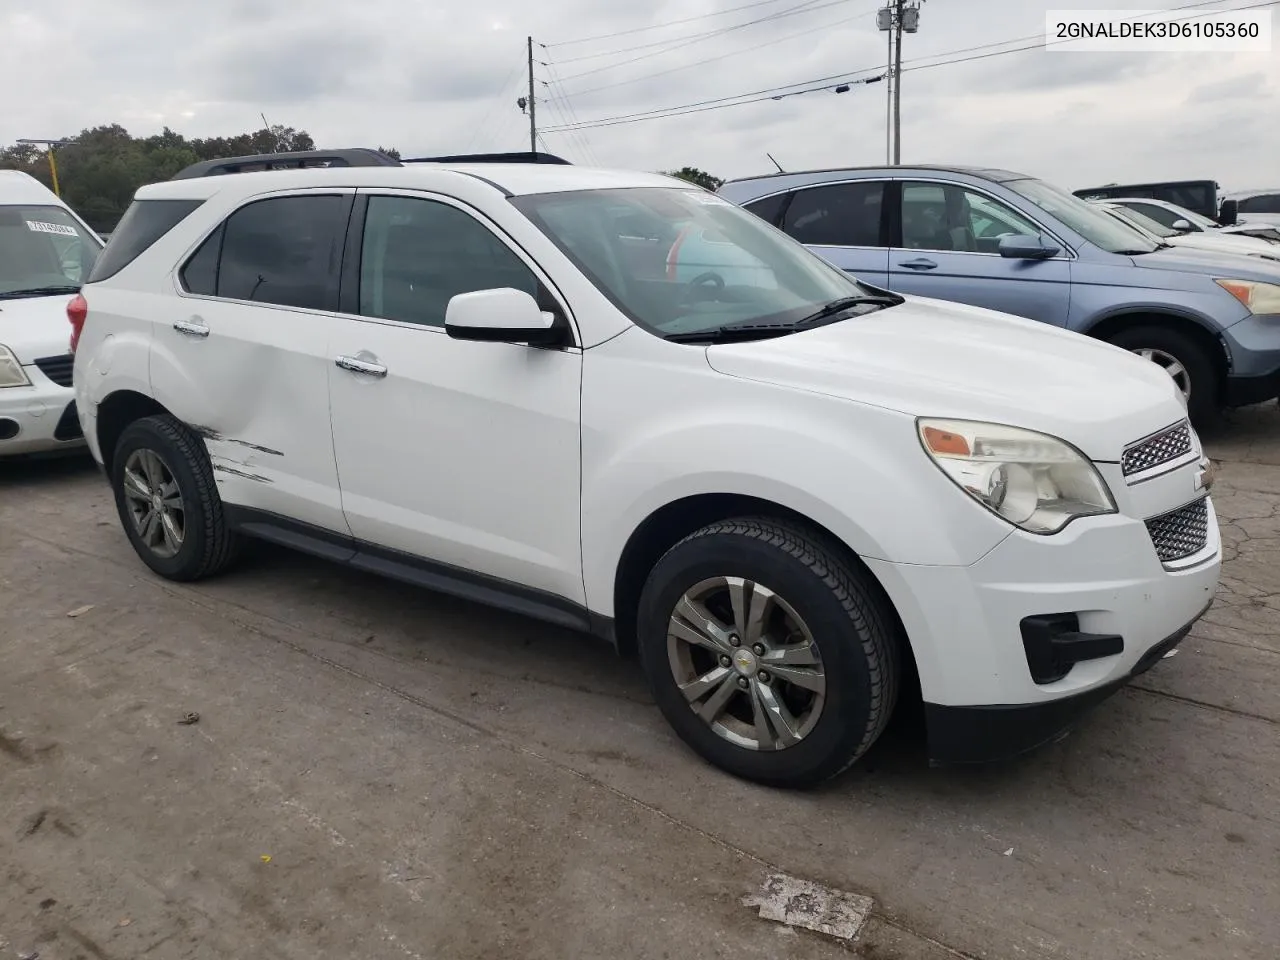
(1217, 243)
(791, 492)
(1182, 220)
(1258, 206)
(45, 253)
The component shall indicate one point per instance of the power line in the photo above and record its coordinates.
(809, 6)
(786, 90)
(661, 26)
(693, 37)
(723, 56)
(502, 96)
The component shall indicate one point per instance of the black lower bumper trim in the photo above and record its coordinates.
(1243, 391)
(982, 734)
(68, 427)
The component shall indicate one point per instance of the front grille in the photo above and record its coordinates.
(1180, 533)
(57, 369)
(1157, 449)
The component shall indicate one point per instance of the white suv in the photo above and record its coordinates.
(622, 404)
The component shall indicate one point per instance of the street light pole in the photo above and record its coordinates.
(53, 164)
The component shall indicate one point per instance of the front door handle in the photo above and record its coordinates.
(920, 263)
(192, 328)
(356, 365)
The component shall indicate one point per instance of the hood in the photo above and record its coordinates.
(1212, 263)
(1228, 243)
(940, 359)
(35, 327)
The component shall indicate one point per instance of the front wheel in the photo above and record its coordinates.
(1186, 363)
(767, 653)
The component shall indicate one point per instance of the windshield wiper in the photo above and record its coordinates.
(737, 332)
(1134, 253)
(846, 303)
(39, 292)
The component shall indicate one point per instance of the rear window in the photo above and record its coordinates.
(145, 222)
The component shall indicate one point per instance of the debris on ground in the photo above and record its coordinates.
(189, 718)
(81, 611)
(802, 903)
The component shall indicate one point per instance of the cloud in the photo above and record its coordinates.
(443, 76)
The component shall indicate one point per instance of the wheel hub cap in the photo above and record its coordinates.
(746, 662)
(154, 503)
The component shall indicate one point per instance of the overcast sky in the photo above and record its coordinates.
(434, 76)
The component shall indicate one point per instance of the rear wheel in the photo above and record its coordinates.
(1186, 363)
(767, 653)
(168, 501)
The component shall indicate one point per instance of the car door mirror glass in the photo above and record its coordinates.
(504, 315)
(1025, 247)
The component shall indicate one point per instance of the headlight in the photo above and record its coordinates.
(1257, 297)
(11, 372)
(1034, 481)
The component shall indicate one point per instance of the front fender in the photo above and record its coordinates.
(858, 471)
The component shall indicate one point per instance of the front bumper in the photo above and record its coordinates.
(40, 418)
(981, 734)
(1100, 574)
(1254, 347)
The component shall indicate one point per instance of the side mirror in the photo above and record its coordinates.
(1228, 214)
(1021, 246)
(504, 315)
(1182, 225)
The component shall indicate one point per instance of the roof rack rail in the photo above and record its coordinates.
(298, 160)
(525, 156)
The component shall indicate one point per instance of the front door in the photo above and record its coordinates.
(460, 453)
(949, 249)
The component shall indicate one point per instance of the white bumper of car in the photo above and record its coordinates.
(39, 418)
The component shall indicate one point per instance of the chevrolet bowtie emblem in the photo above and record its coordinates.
(1204, 476)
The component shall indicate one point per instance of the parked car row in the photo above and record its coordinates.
(627, 405)
(1009, 242)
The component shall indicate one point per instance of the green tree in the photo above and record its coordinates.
(700, 177)
(100, 172)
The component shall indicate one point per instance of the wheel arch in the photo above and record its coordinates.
(1106, 327)
(669, 524)
(116, 411)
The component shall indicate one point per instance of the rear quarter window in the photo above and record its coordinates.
(145, 222)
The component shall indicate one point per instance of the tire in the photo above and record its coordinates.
(1205, 382)
(206, 545)
(839, 612)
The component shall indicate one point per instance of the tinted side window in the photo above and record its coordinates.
(145, 222)
(769, 209)
(200, 273)
(419, 254)
(843, 214)
(1157, 213)
(284, 250)
(1266, 203)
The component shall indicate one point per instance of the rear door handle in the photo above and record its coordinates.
(192, 328)
(920, 263)
(356, 365)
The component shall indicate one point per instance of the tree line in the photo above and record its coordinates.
(99, 172)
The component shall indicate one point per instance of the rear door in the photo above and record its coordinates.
(948, 247)
(245, 358)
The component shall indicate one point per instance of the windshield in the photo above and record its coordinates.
(679, 262)
(1095, 225)
(43, 249)
(1141, 220)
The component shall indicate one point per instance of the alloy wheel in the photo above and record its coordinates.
(1170, 364)
(154, 503)
(746, 663)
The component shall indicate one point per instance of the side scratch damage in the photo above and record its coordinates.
(210, 434)
(223, 468)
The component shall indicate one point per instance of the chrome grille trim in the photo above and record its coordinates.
(1180, 533)
(1159, 448)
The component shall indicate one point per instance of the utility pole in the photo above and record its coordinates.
(895, 19)
(53, 166)
(533, 115)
